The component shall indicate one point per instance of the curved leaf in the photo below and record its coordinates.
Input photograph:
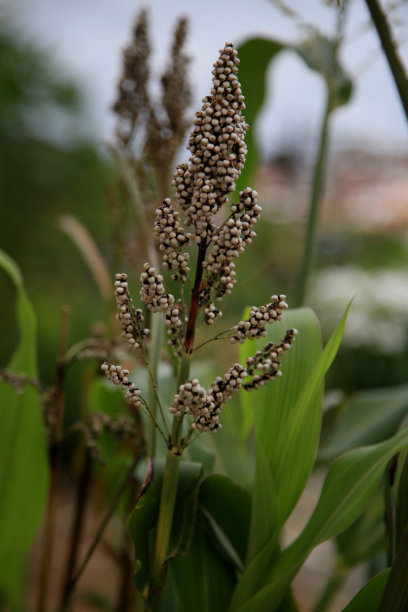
(23, 458)
(368, 598)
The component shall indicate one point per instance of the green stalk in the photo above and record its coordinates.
(316, 198)
(167, 501)
(157, 327)
(390, 52)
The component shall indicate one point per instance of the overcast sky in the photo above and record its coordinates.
(85, 38)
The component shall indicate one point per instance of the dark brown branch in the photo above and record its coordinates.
(195, 296)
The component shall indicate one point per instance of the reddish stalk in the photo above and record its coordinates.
(195, 296)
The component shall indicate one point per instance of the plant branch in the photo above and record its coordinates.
(390, 51)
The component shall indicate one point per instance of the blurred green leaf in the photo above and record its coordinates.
(255, 57)
(321, 55)
(23, 458)
(368, 598)
(349, 484)
(370, 417)
(143, 519)
(365, 537)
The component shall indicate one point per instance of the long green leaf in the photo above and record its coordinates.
(296, 453)
(23, 457)
(264, 515)
(349, 484)
(368, 598)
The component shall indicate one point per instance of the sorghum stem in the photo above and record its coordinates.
(316, 198)
(168, 499)
(195, 295)
(167, 504)
(154, 358)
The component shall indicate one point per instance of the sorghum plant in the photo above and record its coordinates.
(218, 232)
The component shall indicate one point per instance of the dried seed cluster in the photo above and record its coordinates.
(204, 407)
(119, 376)
(229, 243)
(222, 388)
(267, 361)
(152, 290)
(192, 399)
(98, 348)
(172, 238)
(217, 148)
(133, 99)
(211, 313)
(129, 317)
(255, 325)
(123, 427)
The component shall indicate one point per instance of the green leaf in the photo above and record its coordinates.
(143, 519)
(203, 579)
(395, 597)
(229, 506)
(365, 537)
(349, 484)
(321, 55)
(264, 515)
(23, 459)
(255, 57)
(370, 417)
(295, 451)
(368, 598)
